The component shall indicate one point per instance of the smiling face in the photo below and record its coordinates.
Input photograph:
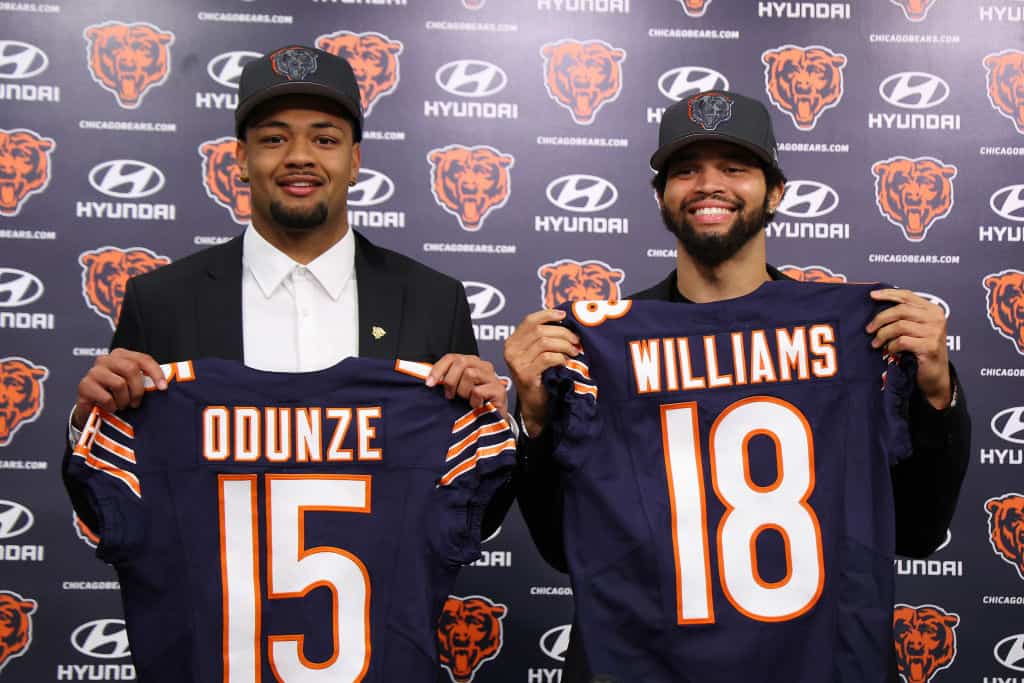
(300, 157)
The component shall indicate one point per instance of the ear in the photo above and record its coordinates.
(546, 272)
(769, 58)
(618, 55)
(506, 161)
(548, 51)
(951, 620)
(990, 61)
(394, 48)
(165, 38)
(88, 259)
(616, 275)
(92, 32)
(355, 162)
(990, 282)
(948, 171)
(241, 156)
(39, 373)
(838, 61)
(775, 195)
(992, 506)
(498, 611)
(880, 169)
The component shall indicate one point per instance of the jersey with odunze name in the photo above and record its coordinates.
(289, 527)
(726, 471)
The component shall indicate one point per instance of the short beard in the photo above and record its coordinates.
(713, 250)
(298, 220)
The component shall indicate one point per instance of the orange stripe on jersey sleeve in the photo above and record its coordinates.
(117, 423)
(469, 463)
(108, 444)
(124, 476)
(457, 450)
(471, 417)
(581, 388)
(578, 367)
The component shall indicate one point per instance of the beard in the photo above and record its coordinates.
(299, 220)
(713, 250)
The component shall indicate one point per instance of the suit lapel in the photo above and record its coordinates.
(219, 303)
(381, 298)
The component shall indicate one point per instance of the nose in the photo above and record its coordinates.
(300, 153)
(709, 180)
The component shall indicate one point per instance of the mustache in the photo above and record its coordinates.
(716, 196)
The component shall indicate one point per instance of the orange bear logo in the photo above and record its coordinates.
(1005, 297)
(469, 634)
(15, 626)
(811, 274)
(24, 167)
(566, 280)
(105, 274)
(128, 59)
(373, 57)
(1006, 528)
(914, 193)
(914, 10)
(21, 395)
(222, 178)
(1006, 85)
(470, 182)
(925, 640)
(582, 76)
(803, 81)
(695, 8)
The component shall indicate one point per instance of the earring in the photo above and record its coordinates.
(243, 177)
(351, 183)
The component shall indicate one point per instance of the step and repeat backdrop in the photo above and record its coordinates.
(506, 144)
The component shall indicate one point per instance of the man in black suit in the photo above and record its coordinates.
(299, 290)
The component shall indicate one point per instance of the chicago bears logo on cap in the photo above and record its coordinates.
(105, 274)
(128, 59)
(373, 58)
(468, 634)
(582, 76)
(21, 395)
(15, 626)
(1006, 529)
(24, 167)
(709, 110)
(695, 8)
(222, 178)
(1006, 85)
(803, 81)
(294, 63)
(1005, 296)
(914, 193)
(470, 182)
(925, 639)
(811, 274)
(914, 10)
(566, 280)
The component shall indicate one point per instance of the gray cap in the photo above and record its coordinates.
(298, 70)
(716, 115)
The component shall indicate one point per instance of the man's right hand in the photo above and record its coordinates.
(534, 347)
(115, 382)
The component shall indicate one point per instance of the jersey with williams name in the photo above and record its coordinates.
(728, 502)
(290, 527)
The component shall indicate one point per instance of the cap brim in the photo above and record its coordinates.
(666, 151)
(279, 90)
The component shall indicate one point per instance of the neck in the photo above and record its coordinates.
(735, 277)
(302, 246)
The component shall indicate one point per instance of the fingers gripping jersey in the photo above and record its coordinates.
(728, 501)
(289, 527)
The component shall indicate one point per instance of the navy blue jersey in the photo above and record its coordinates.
(726, 472)
(290, 527)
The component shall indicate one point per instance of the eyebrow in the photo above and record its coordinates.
(738, 155)
(274, 123)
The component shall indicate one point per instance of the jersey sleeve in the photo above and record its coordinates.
(898, 382)
(479, 459)
(572, 397)
(103, 463)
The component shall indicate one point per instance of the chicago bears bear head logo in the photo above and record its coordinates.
(469, 634)
(24, 167)
(374, 59)
(1005, 296)
(803, 81)
(15, 626)
(105, 274)
(21, 394)
(222, 178)
(470, 182)
(566, 280)
(709, 109)
(128, 59)
(695, 8)
(1006, 528)
(925, 640)
(811, 274)
(1006, 85)
(582, 76)
(914, 10)
(914, 193)
(294, 63)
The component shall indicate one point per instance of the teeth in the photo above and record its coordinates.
(712, 211)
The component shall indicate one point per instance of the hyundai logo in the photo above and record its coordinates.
(581, 193)
(372, 187)
(808, 199)
(1010, 652)
(941, 303)
(102, 639)
(21, 60)
(949, 537)
(1008, 202)
(1009, 424)
(492, 536)
(126, 179)
(555, 642)
(677, 83)
(18, 288)
(15, 519)
(484, 300)
(914, 90)
(471, 78)
(226, 68)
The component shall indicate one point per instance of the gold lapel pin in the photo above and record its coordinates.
(377, 331)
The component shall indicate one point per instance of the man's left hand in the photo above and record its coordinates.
(916, 325)
(471, 378)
